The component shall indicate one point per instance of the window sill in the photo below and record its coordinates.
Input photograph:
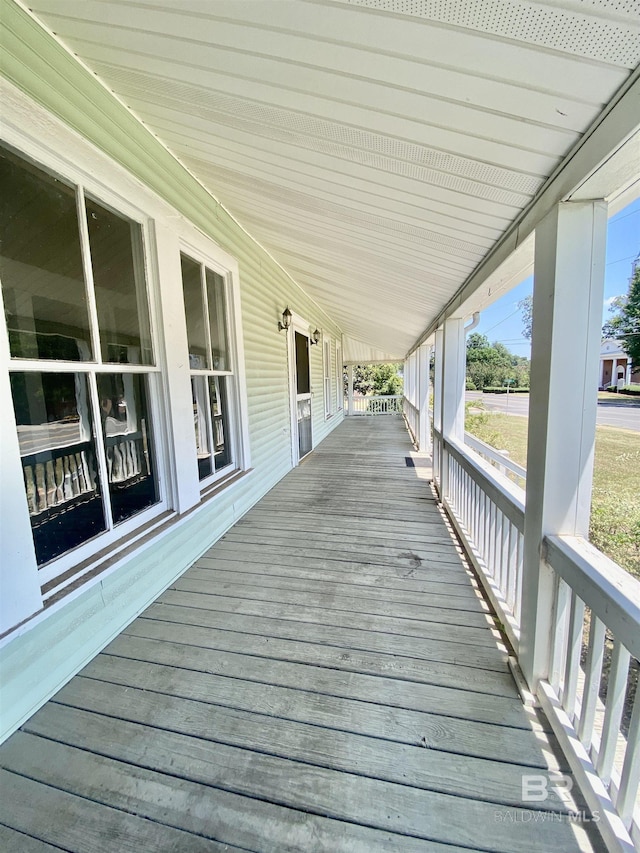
(221, 485)
(109, 559)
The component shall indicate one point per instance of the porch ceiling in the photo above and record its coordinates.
(377, 148)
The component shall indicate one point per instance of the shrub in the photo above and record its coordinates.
(633, 390)
(471, 385)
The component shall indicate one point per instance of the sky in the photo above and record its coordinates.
(502, 321)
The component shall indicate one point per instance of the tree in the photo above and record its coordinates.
(476, 341)
(493, 364)
(625, 323)
(526, 307)
(379, 379)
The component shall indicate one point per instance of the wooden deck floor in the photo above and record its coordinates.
(326, 678)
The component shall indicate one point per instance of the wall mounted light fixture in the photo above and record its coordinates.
(286, 320)
(315, 337)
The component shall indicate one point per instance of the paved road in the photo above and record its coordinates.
(624, 415)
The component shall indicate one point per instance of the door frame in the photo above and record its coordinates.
(300, 325)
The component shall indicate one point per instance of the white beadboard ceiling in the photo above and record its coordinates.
(377, 148)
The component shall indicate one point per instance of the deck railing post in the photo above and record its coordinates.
(349, 389)
(437, 407)
(453, 382)
(424, 430)
(567, 316)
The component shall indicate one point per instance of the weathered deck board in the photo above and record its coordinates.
(320, 615)
(352, 638)
(357, 584)
(326, 678)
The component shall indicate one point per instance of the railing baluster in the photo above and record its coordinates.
(467, 519)
(574, 649)
(498, 548)
(593, 671)
(517, 592)
(481, 520)
(491, 550)
(558, 655)
(616, 693)
(504, 556)
(630, 775)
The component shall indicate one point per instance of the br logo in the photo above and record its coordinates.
(536, 787)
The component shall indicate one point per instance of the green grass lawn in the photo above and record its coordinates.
(615, 506)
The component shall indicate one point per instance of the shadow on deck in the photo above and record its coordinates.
(325, 678)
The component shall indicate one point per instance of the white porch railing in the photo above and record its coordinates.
(487, 511)
(601, 736)
(412, 417)
(498, 458)
(377, 405)
(598, 727)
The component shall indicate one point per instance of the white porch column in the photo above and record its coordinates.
(437, 406)
(19, 582)
(614, 372)
(424, 432)
(453, 382)
(349, 389)
(601, 383)
(567, 310)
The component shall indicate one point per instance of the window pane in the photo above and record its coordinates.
(41, 264)
(217, 320)
(220, 415)
(58, 455)
(202, 423)
(194, 309)
(303, 380)
(126, 428)
(117, 261)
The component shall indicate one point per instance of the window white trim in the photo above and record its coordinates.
(37, 135)
(339, 379)
(298, 324)
(198, 248)
(114, 532)
(326, 370)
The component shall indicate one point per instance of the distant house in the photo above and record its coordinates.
(615, 365)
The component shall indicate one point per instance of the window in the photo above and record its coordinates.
(205, 302)
(327, 375)
(339, 379)
(82, 364)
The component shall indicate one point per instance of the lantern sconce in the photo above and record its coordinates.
(286, 320)
(315, 337)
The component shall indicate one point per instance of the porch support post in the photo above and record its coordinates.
(437, 408)
(453, 382)
(424, 432)
(567, 312)
(349, 389)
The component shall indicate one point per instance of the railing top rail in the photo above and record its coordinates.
(507, 496)
(604, 586)
(487, 450)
